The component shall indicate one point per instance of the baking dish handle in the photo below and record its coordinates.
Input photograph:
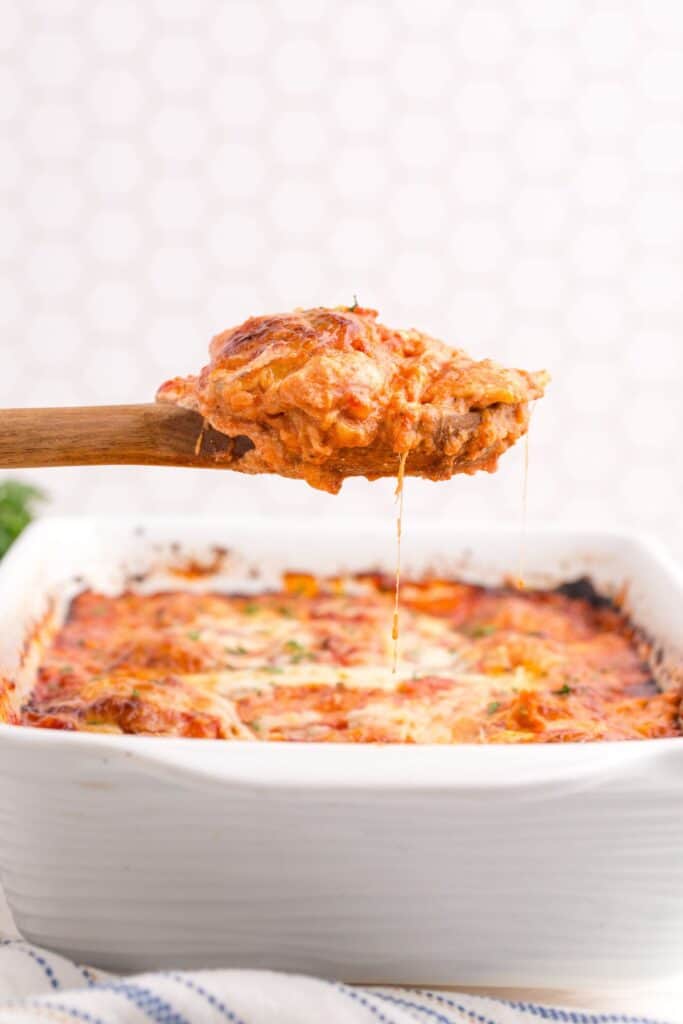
(540, 772)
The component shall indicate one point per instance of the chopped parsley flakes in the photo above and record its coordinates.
(298, 651)
(478, 631)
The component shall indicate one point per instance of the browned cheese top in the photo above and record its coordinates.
(311, 662)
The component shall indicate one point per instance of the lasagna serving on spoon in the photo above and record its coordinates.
(323, 394)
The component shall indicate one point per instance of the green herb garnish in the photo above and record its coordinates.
(194, 634)
(493, 707)
(250, 609)
(298, 651)
(564, 690)
(236, 650)
(135, 693)
(477, 631)
(17, 507)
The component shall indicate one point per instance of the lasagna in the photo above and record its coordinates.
(324, 394)
(311, 661)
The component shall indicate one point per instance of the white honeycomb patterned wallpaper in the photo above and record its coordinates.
(507, 175)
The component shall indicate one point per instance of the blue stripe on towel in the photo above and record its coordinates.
(545, 1012)
(88, 975)
(156, 1008)
(212, 1000)
(421, 1008)
(21, 947)
(358, 998)
(577, 1016)
(451, 1003)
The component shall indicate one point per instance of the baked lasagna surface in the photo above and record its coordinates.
(312, 662)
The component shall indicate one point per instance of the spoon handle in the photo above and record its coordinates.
(147, 435)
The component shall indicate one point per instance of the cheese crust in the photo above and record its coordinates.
(312, 662)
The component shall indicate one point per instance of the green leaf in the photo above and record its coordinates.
(17, 507)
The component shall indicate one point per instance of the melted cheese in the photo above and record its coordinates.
(309, 662)
(399, 527)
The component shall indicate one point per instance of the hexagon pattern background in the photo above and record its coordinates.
(506, 175)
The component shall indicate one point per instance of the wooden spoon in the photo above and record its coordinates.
(161, 434)
(116, 435)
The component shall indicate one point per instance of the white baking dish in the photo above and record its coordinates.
(539, 866)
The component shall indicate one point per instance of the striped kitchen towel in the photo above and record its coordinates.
(38, 987)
